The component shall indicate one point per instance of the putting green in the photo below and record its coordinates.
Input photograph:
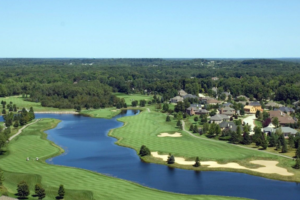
(80, 184)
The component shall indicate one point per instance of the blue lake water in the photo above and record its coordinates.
(88, 146)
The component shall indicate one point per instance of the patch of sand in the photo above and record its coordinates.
(169, 135)
(113, 110)
(269, 167)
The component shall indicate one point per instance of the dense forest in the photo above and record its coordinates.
(68, 83)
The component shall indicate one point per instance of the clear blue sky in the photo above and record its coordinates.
(150, 29)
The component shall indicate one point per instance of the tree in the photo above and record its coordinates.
(291, 141)
(246, 138)
(23, 189)
(171, 159)
(16, 124)
(191, 127)
(168, 119)
(275, 121)
(273, 140)
(298, 151)
(178, 123)
(37, 188)
(144, 151)
(1, 177)
(61, 191)
(165, 107)
(297, 165)
(195, 130)
(218, 130)
(238, 133)
(257, 113)
(196, 119)
(41, 193)
(205, 128)
(197, 163)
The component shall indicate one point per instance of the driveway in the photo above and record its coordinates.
(250, 121)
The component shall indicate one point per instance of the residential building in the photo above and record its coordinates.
(182, 93)
(176, 99)
(286, 131)
(286, 110)
(226, 105)
(190, 96)
(214, 78)
(256, 105)
(273, 104)
(229, 126)
(195, 109)
(215, 90)
(250, 109)
(283, 118)
(218, 118)
(242, 97)
(227, 111)
(211, 101)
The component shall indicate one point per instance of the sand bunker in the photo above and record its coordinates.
(169, 135)
(113, 110)
(269, 167)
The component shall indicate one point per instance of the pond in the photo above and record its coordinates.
(88, 146)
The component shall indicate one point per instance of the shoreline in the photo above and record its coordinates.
(56, 112)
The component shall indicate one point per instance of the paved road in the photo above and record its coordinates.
(148, 110)
(250, 121)
(217, 141)
(20, 131)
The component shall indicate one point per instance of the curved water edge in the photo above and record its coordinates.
(88, 146)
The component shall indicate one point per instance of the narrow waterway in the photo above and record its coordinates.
(88, 146)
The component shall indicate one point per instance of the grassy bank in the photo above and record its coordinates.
(80, 184)
(132, 97)
(143, 129)
(19, 101)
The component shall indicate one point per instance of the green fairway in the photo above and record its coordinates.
(143, 129)
(129, 98)
(102, 113)
(79, 184)
(19, 101)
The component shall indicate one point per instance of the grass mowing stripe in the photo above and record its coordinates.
(80, 184)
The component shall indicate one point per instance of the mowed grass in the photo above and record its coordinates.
(19, 101)
(79, 184)
(128, 98)
(143, 129)
(102, 113)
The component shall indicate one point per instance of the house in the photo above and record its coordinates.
(190, 96)
(229, 126)
(227, 111)
(214, 78)
(283, 118)
(176, 99)
(215, 90)
(250, 109)
(182, 93)
(218, 118)
(211, 101)
(286, 131)
(195, 109)
(226, 105)
(256, 105)
(7, 198)
(201, 96)
(296, 103)
(286, 110)
(242, 97)
(273, 104)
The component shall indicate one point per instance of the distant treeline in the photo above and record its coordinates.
(67, 83)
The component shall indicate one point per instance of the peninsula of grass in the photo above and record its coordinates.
(107, 113)
(37, 107)
(133, 97)
(80, 184)
(143, 129)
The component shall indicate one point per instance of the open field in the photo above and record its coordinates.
(144, 128)
(19, 101)
(128, 98)
(102, 113)
(79, 184)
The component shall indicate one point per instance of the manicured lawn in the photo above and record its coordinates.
(79, 184)
(143, 129)
(128, 98)
(19, 101)
(102, 113)
(258, 123)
